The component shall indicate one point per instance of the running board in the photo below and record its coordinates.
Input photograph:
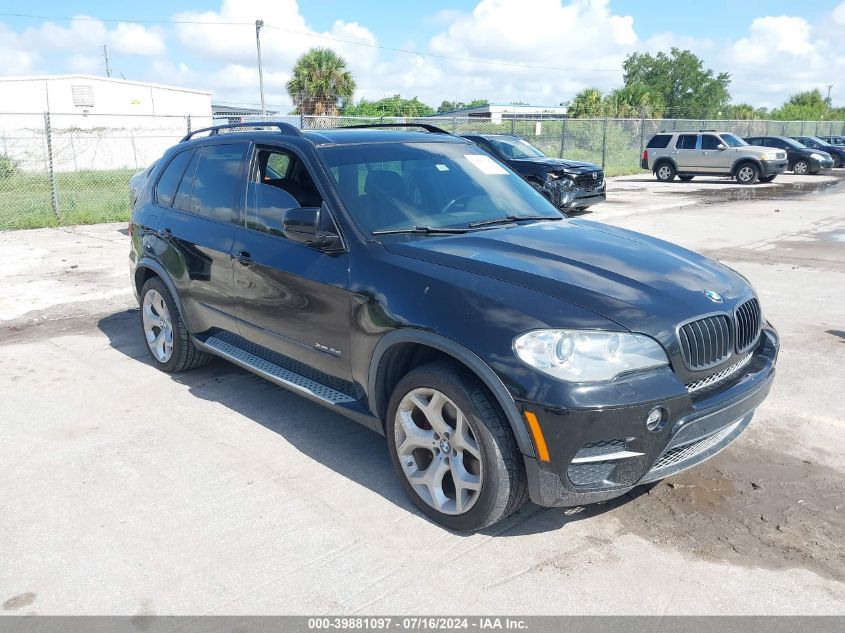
(275, 373)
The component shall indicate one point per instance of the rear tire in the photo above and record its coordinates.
(441, 417)
(168, 340)
(766, 178)
(685, 178)
(747, 174)
(837, 162)
(801, 168)
(665, 172)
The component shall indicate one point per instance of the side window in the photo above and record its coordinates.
(167, 183)
(775, 142)
(686, 141)
(218, 180)
(659, 141)
(280, 182)
(182, 200)
(708, 141)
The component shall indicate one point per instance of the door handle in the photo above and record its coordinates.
(244, 258)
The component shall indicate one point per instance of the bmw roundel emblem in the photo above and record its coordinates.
(714, 296)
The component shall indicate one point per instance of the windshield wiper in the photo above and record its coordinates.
(512, 218)
(420, 230)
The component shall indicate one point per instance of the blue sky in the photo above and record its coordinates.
(771, 47)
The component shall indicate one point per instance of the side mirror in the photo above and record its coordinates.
(721, 147)
(311, 226)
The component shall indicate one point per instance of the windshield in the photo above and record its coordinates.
(733, 141)
(515, 148)
(792, 143)
(389, 186)
(816, 139)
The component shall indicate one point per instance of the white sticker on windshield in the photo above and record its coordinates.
(441, 167)
(486, 164)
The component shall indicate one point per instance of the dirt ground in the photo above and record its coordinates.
(129, 491)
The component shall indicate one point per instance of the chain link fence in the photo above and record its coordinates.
(65, 169)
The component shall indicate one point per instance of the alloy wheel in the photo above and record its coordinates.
(158, 326)
(800, 168)
(664, 172)
(438, 451)
(745, 174)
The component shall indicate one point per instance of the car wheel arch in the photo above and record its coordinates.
(148, 268)
(746, 160)
(399, 351)
(664, 161)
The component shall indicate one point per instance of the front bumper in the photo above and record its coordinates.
(626, 454)
(818, 165)
(774, 167)
(576, 197)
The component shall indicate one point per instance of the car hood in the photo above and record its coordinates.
(556, 163)
(642, 283)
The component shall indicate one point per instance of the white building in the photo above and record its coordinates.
(496, 112)
(95, 122)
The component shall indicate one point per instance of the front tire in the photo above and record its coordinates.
(665, 172)
(747, 174)
(685, 178)
(168, 340)
(801, 168)
(454, 452)
(766, 178)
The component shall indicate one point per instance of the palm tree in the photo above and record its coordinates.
(320, 81)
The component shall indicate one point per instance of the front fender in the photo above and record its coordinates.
(463, 355)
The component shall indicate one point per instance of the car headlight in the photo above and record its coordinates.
(771, 156)
(817, 156)
(588, 355)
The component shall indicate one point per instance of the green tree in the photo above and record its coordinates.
(320, 82)
(680, 81)
(389, 106)
(633, 101)
(587, 103)
(449, 106)
(803, 106)
(743, 111)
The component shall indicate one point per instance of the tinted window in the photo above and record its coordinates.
(217, 181)
(709, 141)
(660, 141)
(686, 141)
(168, 182)
(265, 206)
(183, 193)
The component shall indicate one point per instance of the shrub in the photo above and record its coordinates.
(8, 166)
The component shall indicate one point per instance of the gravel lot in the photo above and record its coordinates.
(129, 491)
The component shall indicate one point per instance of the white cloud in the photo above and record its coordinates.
(777, 55)
(53, 48)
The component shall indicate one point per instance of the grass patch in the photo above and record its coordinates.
(85, 197)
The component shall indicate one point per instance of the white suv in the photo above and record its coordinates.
(709, 153)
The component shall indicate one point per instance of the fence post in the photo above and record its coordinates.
(802, 128)
(767, 128)
(563, 136)
(54, 194)
(188, 123)
(454, 125)
(513, 122)
(642, 136)
(604, 143)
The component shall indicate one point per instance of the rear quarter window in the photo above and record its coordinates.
(659, 141)
(167, 184)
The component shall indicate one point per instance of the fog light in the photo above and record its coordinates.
(656, 419)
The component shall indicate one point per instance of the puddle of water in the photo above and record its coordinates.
(776, 191)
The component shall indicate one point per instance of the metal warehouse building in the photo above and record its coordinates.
(94, 122)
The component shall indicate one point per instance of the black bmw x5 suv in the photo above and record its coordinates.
(411, 282)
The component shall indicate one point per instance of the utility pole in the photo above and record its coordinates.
(829, 86)
(106, 56)
(258, 25)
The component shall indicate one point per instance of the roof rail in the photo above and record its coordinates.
(688, 131)
(284, 128)
(426, 126)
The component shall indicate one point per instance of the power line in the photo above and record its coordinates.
(406, 51)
